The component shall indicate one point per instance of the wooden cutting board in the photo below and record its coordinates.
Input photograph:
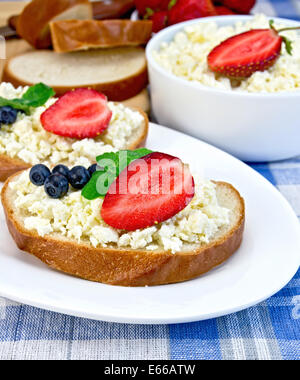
(8, 9)
(16, 46)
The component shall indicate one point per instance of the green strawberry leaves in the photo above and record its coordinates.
(110, 165)
(171, 4)
(288, 43)
(35, 96)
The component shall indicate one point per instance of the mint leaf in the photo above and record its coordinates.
(110, 166)
(14, 103)
(123, 158)
(90, 189)
(35, 96)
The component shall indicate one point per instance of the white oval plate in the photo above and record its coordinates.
(268, 258)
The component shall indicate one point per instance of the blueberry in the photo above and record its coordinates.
(56, 186)
(79, 177)
(61, 169)
(8, 115)
(92, 169)
(38, 174)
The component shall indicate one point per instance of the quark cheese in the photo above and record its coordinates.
(27, 140)
(186, 57)
(78, 218)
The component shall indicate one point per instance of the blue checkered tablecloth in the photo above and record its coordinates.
(270, 330)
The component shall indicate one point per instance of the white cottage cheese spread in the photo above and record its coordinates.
(27, 140)
(186, 57)
(78, 218)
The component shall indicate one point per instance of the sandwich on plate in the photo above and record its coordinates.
(137, 218)
(36, 127)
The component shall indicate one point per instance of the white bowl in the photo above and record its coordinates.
(252, 127)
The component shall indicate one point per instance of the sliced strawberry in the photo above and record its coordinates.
(160, 20)
(149, 191)
(242, 55)
(82, 113)
(224, 11)
(185, 10)
(239, 6)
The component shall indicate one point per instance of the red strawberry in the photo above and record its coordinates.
(224, 11)
(149, 191)
(160, 20)
(242, 55)
(142, 5)
(82, 113)
(164, 5)
(154, 5)
(239, 6)
(185, 10)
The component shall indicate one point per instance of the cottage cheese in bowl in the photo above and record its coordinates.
(186, 57)
(255, 119)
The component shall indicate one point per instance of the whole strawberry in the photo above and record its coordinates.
(159, 20)
(224, 11)
(242, 55)
(153, 5)
(239, 6)
(185, 10)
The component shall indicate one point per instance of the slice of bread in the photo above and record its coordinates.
(141, 100)
(129, 267)
(119, 73)
(73, 35)
(33, 23)
(10, 166)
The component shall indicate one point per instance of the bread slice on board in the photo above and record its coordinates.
(33, 23)
(10, 166)
(119, 73)
(128, 267)
(73, 35)
(141, 100)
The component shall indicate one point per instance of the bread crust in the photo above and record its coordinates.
(10, 166)
(74, 35)
(102, 10)
(116, 91)
(113, 9)
(125, 267)
(32, 24)
(141, 100)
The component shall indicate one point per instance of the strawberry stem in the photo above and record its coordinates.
(288, 43)
(283, 29)
(149, 13)
(286, 29)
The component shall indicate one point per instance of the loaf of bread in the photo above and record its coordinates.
(73, 35)
(33, 23)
